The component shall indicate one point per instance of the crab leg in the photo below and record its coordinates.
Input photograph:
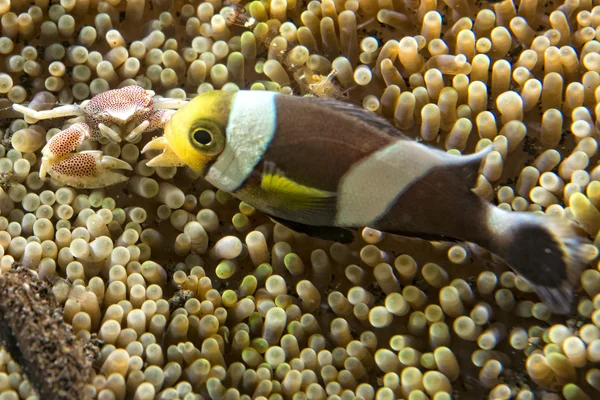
(109, 133)
(155, 120)
(62, 111)
(136, 132)
(168, 103)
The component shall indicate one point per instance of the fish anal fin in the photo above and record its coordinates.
(423, 236)
(293, 194)
(331, 233)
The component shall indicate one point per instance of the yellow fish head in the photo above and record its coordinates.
(195, 135)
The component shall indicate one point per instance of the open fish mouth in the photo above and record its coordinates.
(168, 158)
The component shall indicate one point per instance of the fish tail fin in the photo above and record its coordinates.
(547, 251)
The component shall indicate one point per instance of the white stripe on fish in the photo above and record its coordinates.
(250, 129)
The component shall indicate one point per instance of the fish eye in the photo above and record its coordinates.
(207, 137)
(202, 136)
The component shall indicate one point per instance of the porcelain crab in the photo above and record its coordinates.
(117, 115)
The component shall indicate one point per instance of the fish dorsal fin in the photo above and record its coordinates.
(360, 114)
(293, 194)
(467, 167)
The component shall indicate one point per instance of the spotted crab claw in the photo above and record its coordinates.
(86, 169)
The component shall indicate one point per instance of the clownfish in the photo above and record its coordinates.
(326, 168)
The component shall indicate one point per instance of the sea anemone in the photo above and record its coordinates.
(188, 293)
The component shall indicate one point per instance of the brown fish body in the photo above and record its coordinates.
(426, 192)
(323, 167)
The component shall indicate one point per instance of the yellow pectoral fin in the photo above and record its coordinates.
(294, 194)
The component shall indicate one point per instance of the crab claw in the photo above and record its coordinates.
(66, 141)
(86, 169)
(167, 158)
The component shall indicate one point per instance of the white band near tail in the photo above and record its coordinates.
(250, 129)
(372, 185)
(380, 173)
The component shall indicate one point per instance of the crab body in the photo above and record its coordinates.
(116, 115)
